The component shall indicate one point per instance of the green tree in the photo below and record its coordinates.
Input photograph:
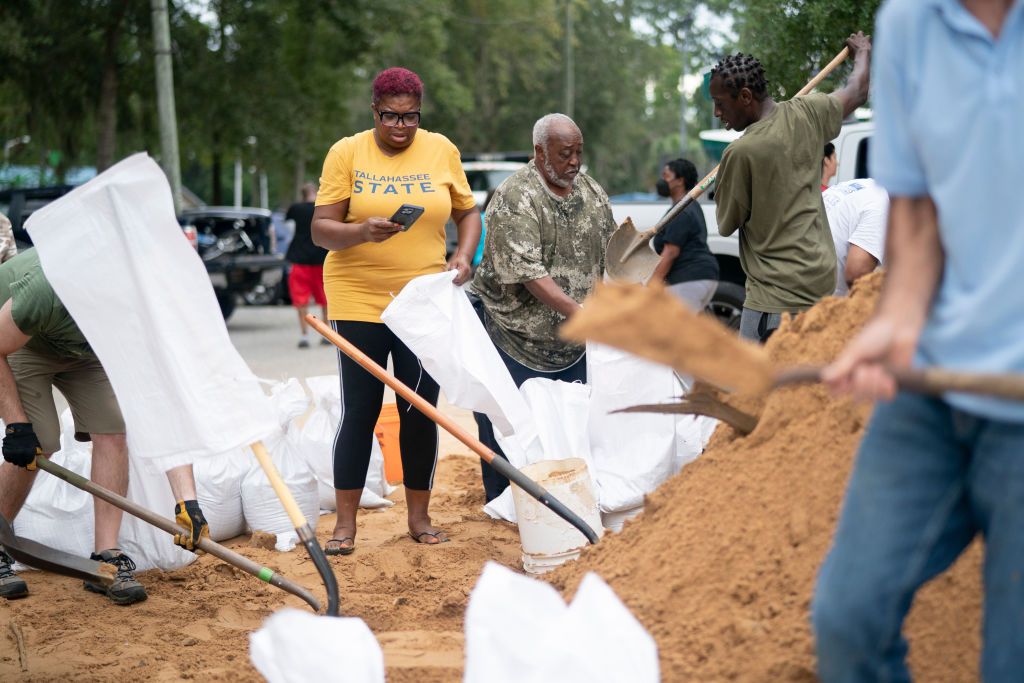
(794, 39)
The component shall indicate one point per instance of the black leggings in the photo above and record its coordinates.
(361, 397)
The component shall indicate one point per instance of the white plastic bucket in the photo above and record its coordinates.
(547, 539)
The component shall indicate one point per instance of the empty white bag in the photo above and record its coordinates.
(433, 317)
(519, 630)
(294, 646)
(115, 255)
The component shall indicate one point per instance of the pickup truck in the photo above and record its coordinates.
(727, 303)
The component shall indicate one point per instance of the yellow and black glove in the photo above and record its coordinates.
(21, 445)
(188, 515)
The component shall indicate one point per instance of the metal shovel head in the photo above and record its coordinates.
(629, 257)
(49, 559)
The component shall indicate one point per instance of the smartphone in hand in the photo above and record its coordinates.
(406, 215)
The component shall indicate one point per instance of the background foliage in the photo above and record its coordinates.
(276, 82)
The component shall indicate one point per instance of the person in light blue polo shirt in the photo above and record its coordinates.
(934, 472)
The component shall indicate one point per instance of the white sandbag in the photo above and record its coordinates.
(519, 630)
(294, 646)
(115, 255)
(219, 490)
(149, 547)
(56, 513)
(558, 430)
(317, 448)
(263, 509)
(433, 317)
(633, 453)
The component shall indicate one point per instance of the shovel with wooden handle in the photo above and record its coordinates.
(652, 323)
(501, 465)
(49, 559)
(217, 550)
(629, 257)
(302, 528)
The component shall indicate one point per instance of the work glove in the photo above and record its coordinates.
(188, 515)
(21, 445)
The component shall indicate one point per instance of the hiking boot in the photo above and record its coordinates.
(125, 590)
(11, 585)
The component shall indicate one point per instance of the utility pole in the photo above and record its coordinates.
(165, 99)
(570, 95)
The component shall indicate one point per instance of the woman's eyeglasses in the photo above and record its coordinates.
(390, 119)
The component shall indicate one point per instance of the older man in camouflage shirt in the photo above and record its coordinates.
(547, 227)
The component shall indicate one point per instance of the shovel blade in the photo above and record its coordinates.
(43, 557)
(629, 257)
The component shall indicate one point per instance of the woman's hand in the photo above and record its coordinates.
(379, 229)
(460, 263)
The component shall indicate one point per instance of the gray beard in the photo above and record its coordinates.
(552, 177)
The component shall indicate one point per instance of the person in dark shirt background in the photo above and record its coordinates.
(306, 279)
(687, 266)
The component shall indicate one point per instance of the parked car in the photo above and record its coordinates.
(237, 248)
(727, 303)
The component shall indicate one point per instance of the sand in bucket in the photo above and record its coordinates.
(547, 539)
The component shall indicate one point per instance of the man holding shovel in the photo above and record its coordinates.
(41, 348)
(769, 185)
(933, 473)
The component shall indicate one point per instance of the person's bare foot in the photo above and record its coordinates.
(424, 532)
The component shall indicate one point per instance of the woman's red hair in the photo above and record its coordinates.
(397, 81)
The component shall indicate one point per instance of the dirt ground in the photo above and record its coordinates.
(196, 623)
(720, 567)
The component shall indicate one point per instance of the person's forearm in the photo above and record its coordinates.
(11, 409)
(335, 235)
(182, 481)
(858, 84)
(469, 228)
(551, 295)
(914, 261)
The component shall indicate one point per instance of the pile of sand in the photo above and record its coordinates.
(720, 567)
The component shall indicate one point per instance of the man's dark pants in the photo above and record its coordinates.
(495, 483)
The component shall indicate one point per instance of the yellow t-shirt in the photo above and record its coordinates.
(360, 281)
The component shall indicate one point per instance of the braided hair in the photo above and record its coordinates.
(740, 71)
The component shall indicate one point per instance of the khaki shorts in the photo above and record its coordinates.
(84, 384)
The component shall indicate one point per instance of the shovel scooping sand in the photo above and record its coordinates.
(652, 323)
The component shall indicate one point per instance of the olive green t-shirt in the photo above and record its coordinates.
(769, 188)
(37, 311)
(533, 233)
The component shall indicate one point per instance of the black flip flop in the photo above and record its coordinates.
(434, 534)
(340, 551)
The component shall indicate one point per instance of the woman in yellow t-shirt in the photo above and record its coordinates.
(366, 178)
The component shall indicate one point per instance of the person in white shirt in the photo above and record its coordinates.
(857, 211)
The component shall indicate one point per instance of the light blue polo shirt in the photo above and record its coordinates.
(949, 110)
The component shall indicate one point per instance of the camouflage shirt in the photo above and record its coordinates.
(533, 233)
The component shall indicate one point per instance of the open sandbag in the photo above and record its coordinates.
(519, 630)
